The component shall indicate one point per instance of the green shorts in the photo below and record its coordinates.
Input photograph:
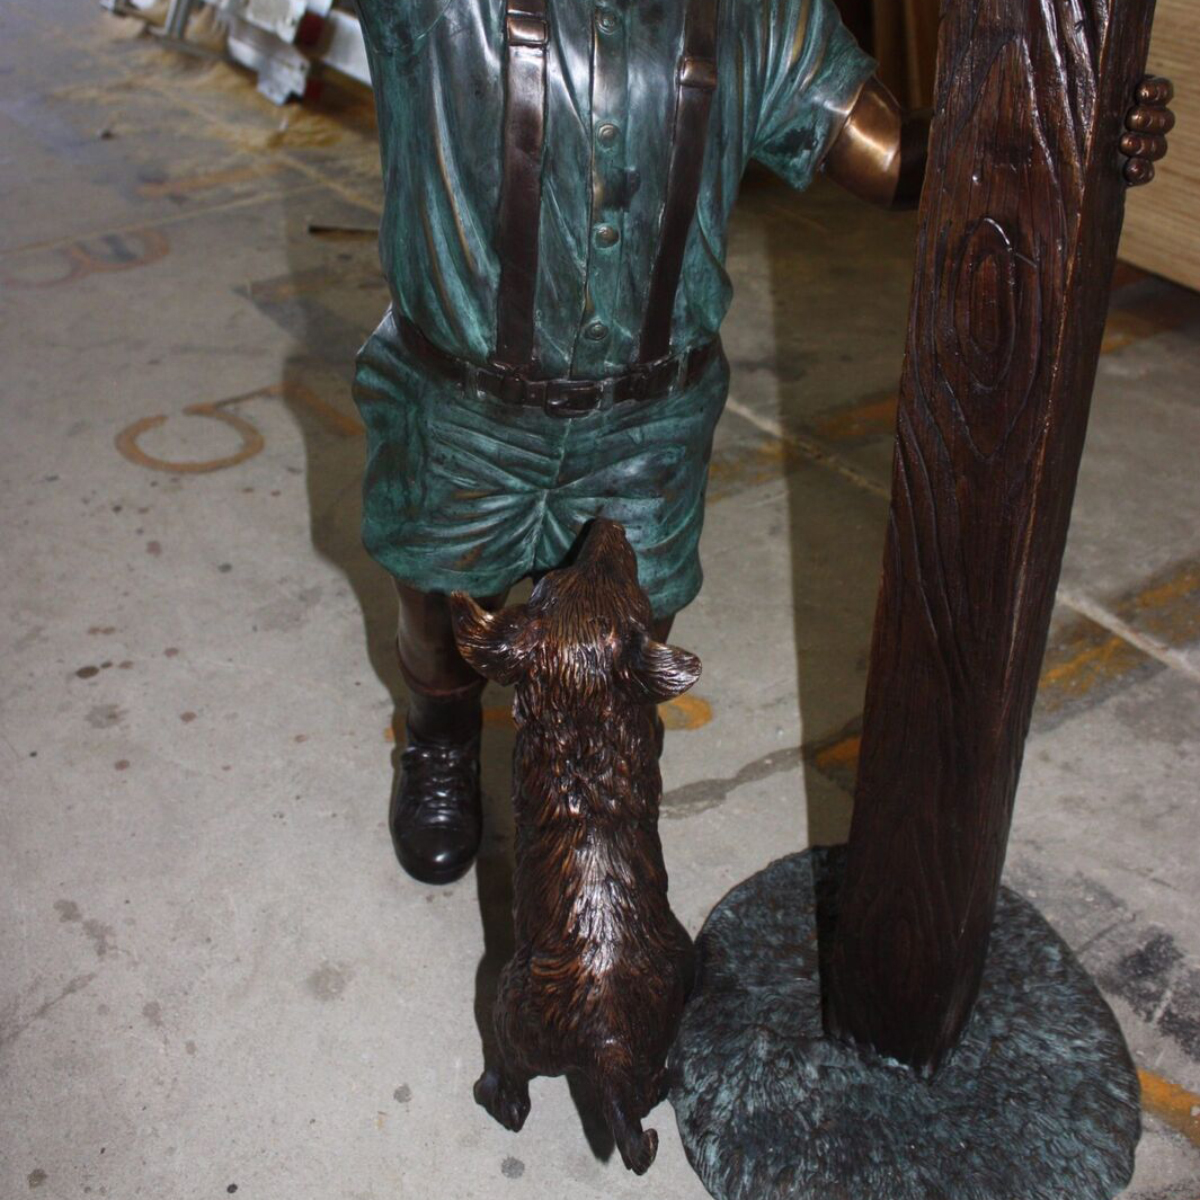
(465, 492)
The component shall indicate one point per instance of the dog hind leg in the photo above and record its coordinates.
(505, 1094)
(638, 1146)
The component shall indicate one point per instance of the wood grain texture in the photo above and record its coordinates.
(1162, 227)
(1020, 220)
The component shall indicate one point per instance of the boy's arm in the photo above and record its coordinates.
(881, 151)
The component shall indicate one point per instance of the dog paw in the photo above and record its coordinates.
(639, 1152)
(506, 1099)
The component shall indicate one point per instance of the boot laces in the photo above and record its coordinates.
(440, 775)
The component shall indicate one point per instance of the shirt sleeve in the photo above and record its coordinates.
(397, 26)
(813, 74)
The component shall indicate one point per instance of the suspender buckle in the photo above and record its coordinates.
(526, 30)
(698, 73)
(648, 380)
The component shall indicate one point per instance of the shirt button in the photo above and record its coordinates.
(606, 235)
(607, 20)
(606, 134)
(597, 331)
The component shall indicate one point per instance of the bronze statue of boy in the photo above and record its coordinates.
(559, 179)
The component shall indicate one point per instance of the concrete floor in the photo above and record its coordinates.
(216, 977)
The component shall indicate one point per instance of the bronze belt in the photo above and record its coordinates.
(562, 397)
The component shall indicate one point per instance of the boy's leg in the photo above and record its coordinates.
(435, 816)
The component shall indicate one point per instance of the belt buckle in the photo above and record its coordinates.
(509, 387)
(572, 397)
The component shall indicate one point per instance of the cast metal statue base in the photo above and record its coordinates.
(1039, 1101)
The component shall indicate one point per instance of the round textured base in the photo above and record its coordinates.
(1039, 1101)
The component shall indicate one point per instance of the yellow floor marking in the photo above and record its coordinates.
(80, 259)
(336, 420)
(1124, 328)
(189, 185)
(686, 712)
(252, 441)
(499, 717)
(744, 466)
(1083, 657)
(873, 416)
(273, 140)
(805, 447)
(843, 753)
(1169, 607)
(1142, 317)
(1171, 1104)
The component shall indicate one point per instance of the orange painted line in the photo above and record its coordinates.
(686, 712)
(1172, 1105)
(252, 441)
(1109, 659)
(840, 754)
(745, 466)
(1142, 317)
(499, 717)
(1183, 582)
(1169, 607)
(1125, 328)
(870, 417)
(188, 185)
(81, 259)
(334, 418)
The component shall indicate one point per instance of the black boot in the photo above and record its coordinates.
(436, 815)
(435, 812)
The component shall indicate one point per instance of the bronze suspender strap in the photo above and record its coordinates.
(527, 33)
(696, 82)
(526, 36)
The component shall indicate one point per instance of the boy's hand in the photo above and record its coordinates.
(1148, 123)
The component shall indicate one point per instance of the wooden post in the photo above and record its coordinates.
(1019, 226)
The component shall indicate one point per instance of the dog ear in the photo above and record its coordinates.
(495, 644)
(658, 672)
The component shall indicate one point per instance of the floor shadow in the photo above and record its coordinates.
(331, 298)
(803, 330)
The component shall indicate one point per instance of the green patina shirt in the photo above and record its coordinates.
(789, 73)
(464, 491)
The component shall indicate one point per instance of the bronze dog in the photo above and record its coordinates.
(602, 966)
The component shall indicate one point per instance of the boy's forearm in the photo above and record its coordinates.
(881, 151)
